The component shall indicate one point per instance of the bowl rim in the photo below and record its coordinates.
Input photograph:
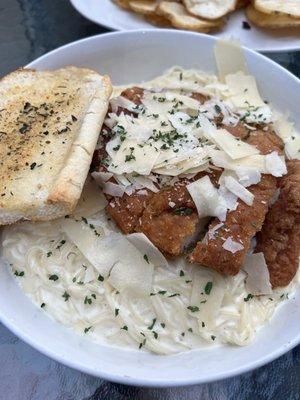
(123, 379)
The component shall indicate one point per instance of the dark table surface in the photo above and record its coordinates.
(29, 28)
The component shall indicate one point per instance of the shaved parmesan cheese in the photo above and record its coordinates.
(248, 176)
(232, 246)
(230, 58)
(134, 276)
(91, 200)
(142, 163)
(292, 147)
(98, 250)
(105, 252)
(122, 102)
(240, 191)
(229, 198)
(101, 177)
(258, 279)
(243, 91)
(146, 247)
(283, 128)
(234, 147)
(212, 231)
(221, 159)
(207, 199)
(275, 164)
(113, 189)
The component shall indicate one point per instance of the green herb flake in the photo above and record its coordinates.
(125, 328)
(49, 253)
(181, 273)
(145, 257)
(208, 288)
(19, 273)
(150, 327)
(86, 330)
(43, 305)
(193, 308)
(213, 337)
(163, 325)
(100, 278)
(117, 312)
(66, 296)
(87, 300)
(53, 277)
(249, 297)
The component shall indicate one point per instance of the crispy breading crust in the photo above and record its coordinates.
(279, 238)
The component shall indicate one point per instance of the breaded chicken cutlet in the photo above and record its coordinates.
(279, 238)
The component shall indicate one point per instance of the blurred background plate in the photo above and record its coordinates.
(106, 13)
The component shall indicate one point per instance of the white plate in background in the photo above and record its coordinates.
(108, 14)
(132, 57)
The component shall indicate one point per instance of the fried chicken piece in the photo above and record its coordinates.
(127, 210)
(244, 222)
(169, 219)
(279, 238)
(134, 94)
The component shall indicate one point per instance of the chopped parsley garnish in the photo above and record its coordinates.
(180, 76)
(152, 324)
(87, 329)
(203, 324)
(117, 312)
(193, 308)
(43, 305)
(181, 273)
(21, 273)
(130, 156)
(249, 297)
(117, 147)
(87, 300)
(66, 296)
(213, 337)
(190, 330)
(162, 292)
(163, 325)
(146, 258)
(218, 109)
(53, 277)
(155, 334)
(142, 343)
(183, 211)
(174, 295)
(33, 165)
(100, 278)
(62, 242)
(125, 328)
(208, 288)
(49, 253)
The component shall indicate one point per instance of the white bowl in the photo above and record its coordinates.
(131, 57)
